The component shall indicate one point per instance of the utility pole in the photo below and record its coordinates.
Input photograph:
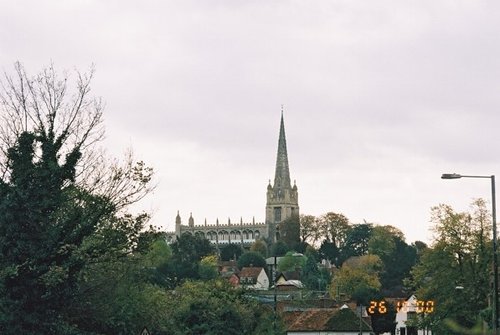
(361, 319)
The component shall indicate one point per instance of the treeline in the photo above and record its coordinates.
(332, 237)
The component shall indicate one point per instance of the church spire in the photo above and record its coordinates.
(282, 199)
(282, 174)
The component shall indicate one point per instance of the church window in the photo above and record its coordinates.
(225, 235)
(235, 235)
(277, 214)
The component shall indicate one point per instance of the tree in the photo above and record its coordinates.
(398, 258)
(251, 258)
(420, 247)
(328, 250)
(67, 124)
(158, 252)
(279, 249)
(259, 246)
(335, 228)
(309, 228)
(356, 243)
(207, 269)
(58, 215)
(459, 257)
(230, 252)
(157, 257)
(214, 307)
(120, 297)
(292, 261)
(187, 252)
(381, 242)
(358, 278)
(290, 231)
(311, 276)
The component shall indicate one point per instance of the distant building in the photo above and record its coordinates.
(409, 310)
(326, 321)
(254, 278)
(282, 203)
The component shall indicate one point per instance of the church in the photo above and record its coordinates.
(282, 203)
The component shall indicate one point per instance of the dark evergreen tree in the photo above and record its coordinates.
(388, 243)
(357, 241)
(279, 249)
(289, 230)
(329, 251)
(187, 252)
(251, 258)
(230, 252)
(311, 276)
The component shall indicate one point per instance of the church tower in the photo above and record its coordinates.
(282, 198)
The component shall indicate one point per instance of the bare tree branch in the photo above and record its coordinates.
(72, 121)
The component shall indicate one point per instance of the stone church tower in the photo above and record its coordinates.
(282, 203)
(282, 198)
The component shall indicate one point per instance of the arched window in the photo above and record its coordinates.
(223, 235)
(233, 234)
(257, 234)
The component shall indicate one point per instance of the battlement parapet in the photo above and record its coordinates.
(225, 225)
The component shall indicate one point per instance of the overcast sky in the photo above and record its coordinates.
(380, 98)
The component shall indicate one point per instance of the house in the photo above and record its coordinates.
(284, 276)
(254, 278)
(234, 280)
(325, 321)
(289, 285)
(227, 268)
(229, 271)
(408, 310)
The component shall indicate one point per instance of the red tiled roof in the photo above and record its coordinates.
(250, 272)
(325, 319)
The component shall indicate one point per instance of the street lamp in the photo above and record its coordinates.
(495, 259)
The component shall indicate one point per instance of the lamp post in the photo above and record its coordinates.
(495, 259)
